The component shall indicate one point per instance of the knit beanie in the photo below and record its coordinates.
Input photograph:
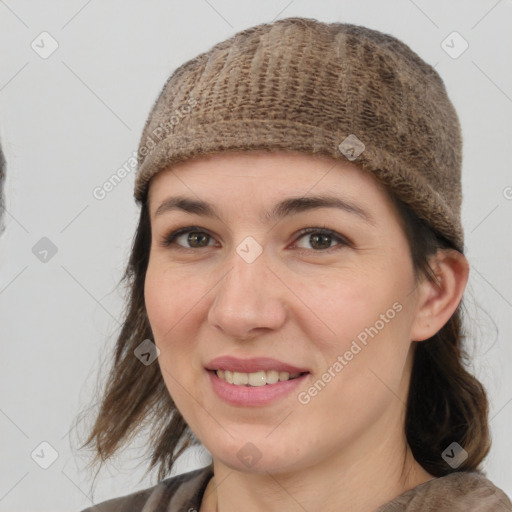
(335, 89)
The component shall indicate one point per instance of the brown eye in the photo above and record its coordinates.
(190, 238)
(317, 239)
(320, 239)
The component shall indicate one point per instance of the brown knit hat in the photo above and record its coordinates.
(337, 89)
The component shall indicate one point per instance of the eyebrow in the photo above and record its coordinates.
(286, 207)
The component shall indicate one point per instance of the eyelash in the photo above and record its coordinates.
(169, 239)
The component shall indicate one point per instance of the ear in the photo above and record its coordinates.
(438, 300)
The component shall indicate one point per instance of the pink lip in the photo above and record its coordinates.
(250, 365)
(251, 396)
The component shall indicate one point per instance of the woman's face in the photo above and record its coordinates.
(336, 304)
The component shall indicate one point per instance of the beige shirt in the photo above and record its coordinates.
(456, 492)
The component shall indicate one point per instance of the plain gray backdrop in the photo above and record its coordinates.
(77, 80)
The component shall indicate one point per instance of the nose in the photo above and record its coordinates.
(248, 299)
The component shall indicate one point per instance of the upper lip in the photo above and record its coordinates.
(253, 364)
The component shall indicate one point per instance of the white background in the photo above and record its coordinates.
(69, 121)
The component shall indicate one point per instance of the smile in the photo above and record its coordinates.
(261, 393)
(259, 378)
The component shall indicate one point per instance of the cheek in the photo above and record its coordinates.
(159, 304)
(169, 314)
(368, 319)
(349, 304)
(174, 305)
(165, 307)
(167, 298)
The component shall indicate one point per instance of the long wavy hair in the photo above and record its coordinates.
(446, 403)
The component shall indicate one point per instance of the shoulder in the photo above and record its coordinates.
(184, 490)
(460, 491)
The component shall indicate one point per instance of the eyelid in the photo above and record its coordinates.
(170, 238)
(343, 240)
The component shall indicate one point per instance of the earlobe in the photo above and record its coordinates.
(438, 300)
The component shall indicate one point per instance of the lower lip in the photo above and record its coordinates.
(252, 395)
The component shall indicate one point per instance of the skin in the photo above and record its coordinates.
(304, 308)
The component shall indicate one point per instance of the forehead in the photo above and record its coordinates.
(257, 181)
(295, 172)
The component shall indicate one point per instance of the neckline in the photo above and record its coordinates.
(207, 474)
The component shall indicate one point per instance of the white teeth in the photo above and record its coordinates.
(241, 379)
(260, 378)
(272, 376)
(255, 379)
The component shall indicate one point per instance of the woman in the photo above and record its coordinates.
(299, 266)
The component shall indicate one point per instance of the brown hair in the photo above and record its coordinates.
(445, 402)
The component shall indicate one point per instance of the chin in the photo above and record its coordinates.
(259, 456)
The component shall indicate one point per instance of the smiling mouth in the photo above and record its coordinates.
(256, 379)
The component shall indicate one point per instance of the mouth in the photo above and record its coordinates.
(254, 389)
(256, 379)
